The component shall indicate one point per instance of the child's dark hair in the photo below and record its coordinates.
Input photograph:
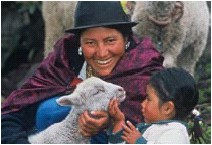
(178, 86)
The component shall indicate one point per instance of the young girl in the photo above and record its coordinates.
(171, 96)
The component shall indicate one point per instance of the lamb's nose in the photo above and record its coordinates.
(121, 94)
(120, 89)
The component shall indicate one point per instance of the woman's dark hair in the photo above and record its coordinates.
(178, 86)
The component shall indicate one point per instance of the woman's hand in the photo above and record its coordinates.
(130, 133)
(93, 123)
(115, 112)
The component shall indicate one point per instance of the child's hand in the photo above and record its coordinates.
(115, 112)
(130, 133)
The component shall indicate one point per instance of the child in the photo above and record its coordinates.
(171, 96)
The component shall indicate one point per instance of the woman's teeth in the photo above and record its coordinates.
(103, 61)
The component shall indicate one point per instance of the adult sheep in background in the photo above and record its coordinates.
(58, 16)
(91, 95)
(178, 28)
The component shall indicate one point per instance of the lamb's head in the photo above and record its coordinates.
(93, 94)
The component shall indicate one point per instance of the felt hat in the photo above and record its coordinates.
(90, 14)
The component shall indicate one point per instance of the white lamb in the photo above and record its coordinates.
(178, 28)
(92, 94)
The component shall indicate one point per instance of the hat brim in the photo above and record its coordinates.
(78, 29)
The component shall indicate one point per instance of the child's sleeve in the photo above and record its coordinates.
(172, 136)
(141, 140)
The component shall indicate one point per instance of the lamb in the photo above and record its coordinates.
(92, 94)
(178, 28)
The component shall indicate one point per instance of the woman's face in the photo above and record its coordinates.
(102, 48)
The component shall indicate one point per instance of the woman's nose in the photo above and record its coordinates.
(102, 51)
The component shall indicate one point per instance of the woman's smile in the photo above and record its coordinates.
(103, 62)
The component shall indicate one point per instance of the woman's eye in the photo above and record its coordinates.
(111, 40)
(90, 43)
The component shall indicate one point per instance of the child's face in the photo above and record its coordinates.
(150, 107)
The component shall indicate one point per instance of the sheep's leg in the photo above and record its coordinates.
(190, 55)
(172, 50)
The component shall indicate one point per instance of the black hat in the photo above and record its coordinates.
(99, 13)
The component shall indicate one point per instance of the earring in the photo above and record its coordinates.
(127, 45)
(80, 51)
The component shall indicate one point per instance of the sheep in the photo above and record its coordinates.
(179, 29)
(92, 94)
(58, 16)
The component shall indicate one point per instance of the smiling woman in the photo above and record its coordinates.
(102, 48)
(103, 34)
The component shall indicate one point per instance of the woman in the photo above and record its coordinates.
(102, 33)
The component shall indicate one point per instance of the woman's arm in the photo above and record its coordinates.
(16, 126)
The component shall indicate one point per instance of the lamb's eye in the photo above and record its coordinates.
(94, 92)
(98, 89)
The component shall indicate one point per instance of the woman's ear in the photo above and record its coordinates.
(169, 109)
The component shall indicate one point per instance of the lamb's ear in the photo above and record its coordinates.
(69, 100)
